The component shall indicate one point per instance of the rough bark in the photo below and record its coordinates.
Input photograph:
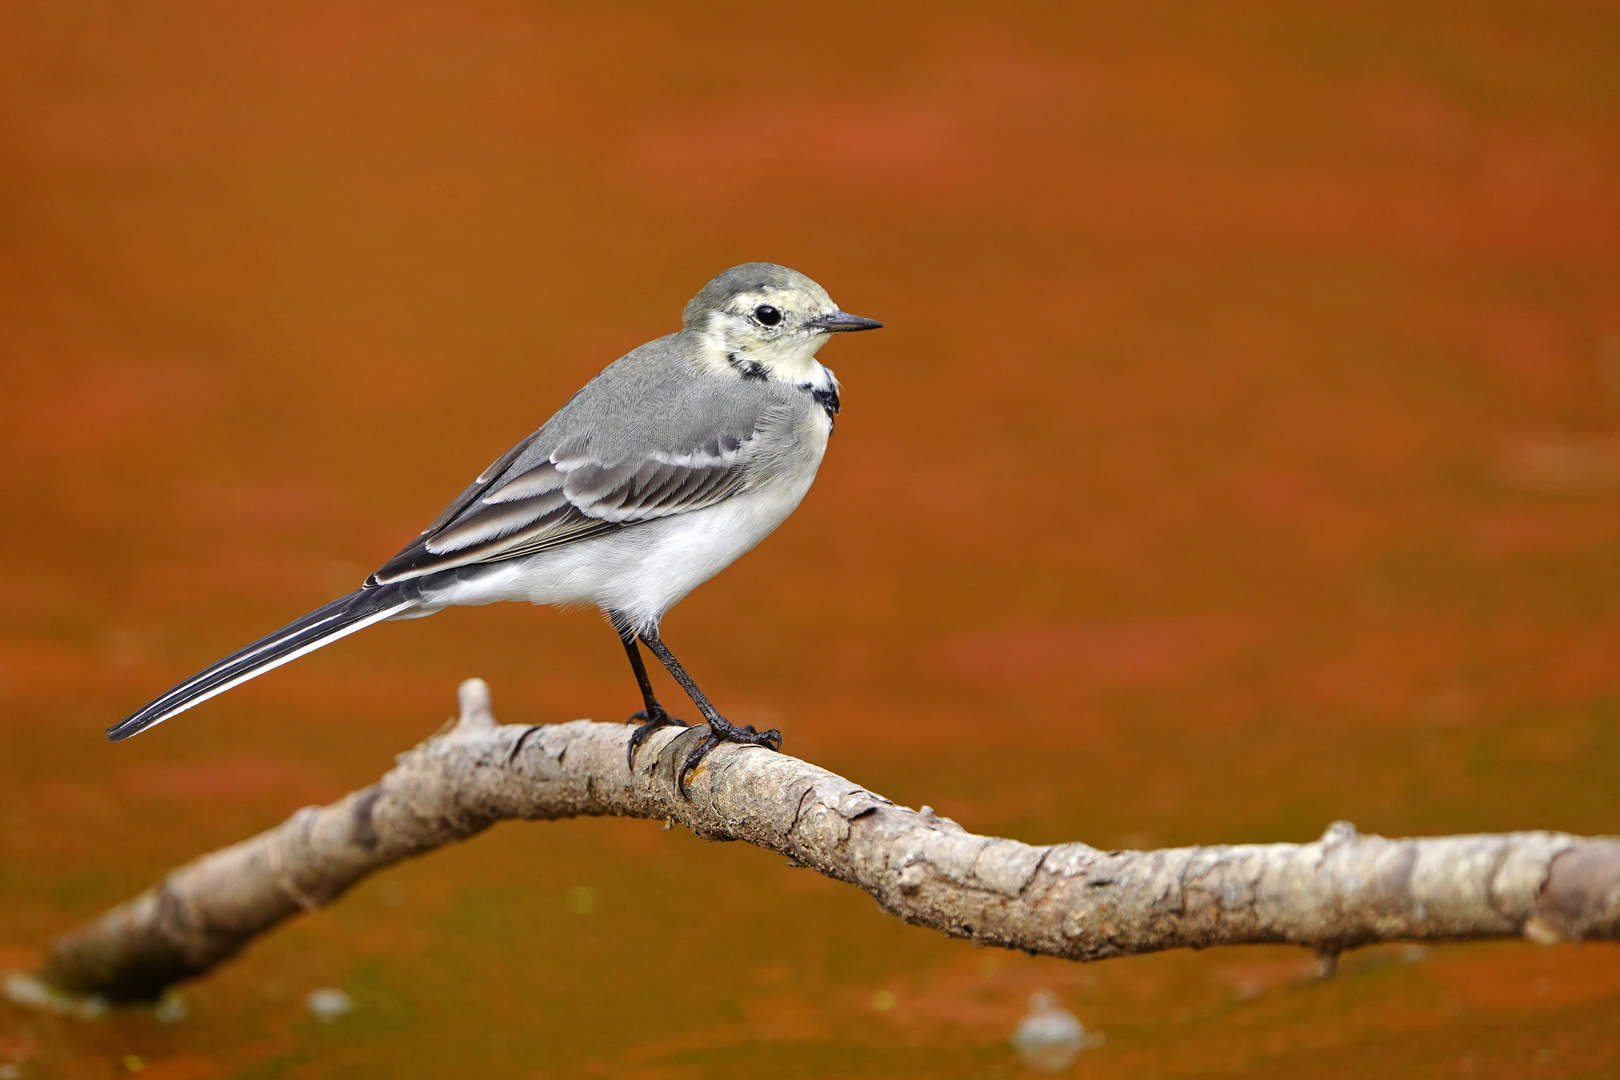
(1068, 900)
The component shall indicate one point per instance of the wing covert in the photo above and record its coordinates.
(521, 506)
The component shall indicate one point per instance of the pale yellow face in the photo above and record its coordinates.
(762, 331)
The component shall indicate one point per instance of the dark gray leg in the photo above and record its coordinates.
(720, 729)
(652, 715)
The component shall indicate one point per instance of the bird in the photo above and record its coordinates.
(672, 462)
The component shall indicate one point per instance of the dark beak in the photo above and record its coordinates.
(841, 322)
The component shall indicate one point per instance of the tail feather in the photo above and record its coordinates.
(320, 627)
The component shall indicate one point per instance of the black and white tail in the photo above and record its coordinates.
(320, 627)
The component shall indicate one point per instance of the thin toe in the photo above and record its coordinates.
(743, 736)
(652, 721)
(693, 759)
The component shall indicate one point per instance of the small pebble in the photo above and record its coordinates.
(1050, 1037)
(171, 1010)
(884, 1000)
(328, 1004)
(27, 991)
(10, 1072)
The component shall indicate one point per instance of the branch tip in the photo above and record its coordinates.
(476, 713)
(1340, 832)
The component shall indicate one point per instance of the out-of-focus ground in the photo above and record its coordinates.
(1243, 454)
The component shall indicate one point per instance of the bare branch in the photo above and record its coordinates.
(1066, 900)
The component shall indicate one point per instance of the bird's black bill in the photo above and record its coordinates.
(842, 322)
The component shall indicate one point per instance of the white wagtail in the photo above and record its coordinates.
(667, 466)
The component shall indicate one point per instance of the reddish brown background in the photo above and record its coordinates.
(1243, 454)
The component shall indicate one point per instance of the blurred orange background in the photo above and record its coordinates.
(1243, 454)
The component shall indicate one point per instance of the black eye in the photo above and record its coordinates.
(767, 315)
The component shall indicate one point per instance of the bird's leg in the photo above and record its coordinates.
(653, 715)
(720, 729)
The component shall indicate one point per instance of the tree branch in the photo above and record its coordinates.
(1065, 900)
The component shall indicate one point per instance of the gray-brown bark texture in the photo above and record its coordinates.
(1066, 900)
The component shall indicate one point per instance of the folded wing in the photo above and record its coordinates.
(523, 504)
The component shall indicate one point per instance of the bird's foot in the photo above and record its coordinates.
(723, 732)
(652, 719)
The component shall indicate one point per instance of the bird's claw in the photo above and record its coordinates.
(652, 719)
(723, 733)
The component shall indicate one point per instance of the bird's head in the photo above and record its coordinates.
(766, 321)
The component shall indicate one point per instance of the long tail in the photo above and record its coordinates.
(320, 627)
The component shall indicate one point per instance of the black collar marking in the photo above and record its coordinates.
(827, 399)
(748, 369)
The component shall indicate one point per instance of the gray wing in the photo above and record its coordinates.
(644, 440)
(518, 509)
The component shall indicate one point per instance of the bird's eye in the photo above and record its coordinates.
(767, 315)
